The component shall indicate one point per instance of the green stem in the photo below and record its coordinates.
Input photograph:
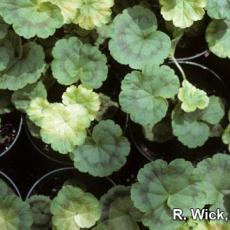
(172, 55)
(179, 67)
(20, 49)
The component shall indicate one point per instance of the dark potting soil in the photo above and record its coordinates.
(51, 184)
(9, 128)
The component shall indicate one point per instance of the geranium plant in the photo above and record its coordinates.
(65, 64)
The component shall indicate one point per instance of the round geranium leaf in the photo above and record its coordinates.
(74, 208)
(32, 18)
(218, 9)
(36, 110)
(194, 129)
(64, 127)
(83, 96)
(217, 36)
(183, 12)
(214, 173)
(103, 153)
(40, 207)
(74, 61)
(192, 98)
(135, 40)
(22, 97)
(93, 13)
(117, 201)
(14, 214)
(162, 187)
(68, 9)
(23, 70)
(146, 94)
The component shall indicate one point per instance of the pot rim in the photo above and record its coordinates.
(19, 129)
(47, 156)
(33, 187)
(11, 183)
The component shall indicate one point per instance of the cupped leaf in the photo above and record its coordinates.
(24, 69)
(217, 36)
(103, 153)
(93, 13)
(183, 12)
(226, 134)
(144, 95)
(40, 207)
(118, 197)
(64, 127)
(5, 102)
(74, 61)
(192, 98)
(162, 187)
(84, 97)
(14, 214)
(218, 9)
(135, 40)
(68, 9)
(74, 209)
(32, 17)
(36, 110)
(194, 129)
(22, 97)
(214, 173)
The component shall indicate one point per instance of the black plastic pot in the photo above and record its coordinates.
(11, 126)
(203, 78)
(52, 182)
(10, 183)
(46, 150)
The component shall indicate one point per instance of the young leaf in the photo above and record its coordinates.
(74, 208)
(64, 127)
(36, 110)
(103, 153)
(226, 134)
(23, 70)
(217, 36)
(147, 93)
(194, 129)
(32, 18)
(183, 12)
(40, 207)
(14, 214)
(218, 9)
(93, 13)
(192, 98)
(162, 187)
(22, 97)
(214, 173)
(135, 40)
(84, 97)
(68, 9)
(74, 61)
(118, 209)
